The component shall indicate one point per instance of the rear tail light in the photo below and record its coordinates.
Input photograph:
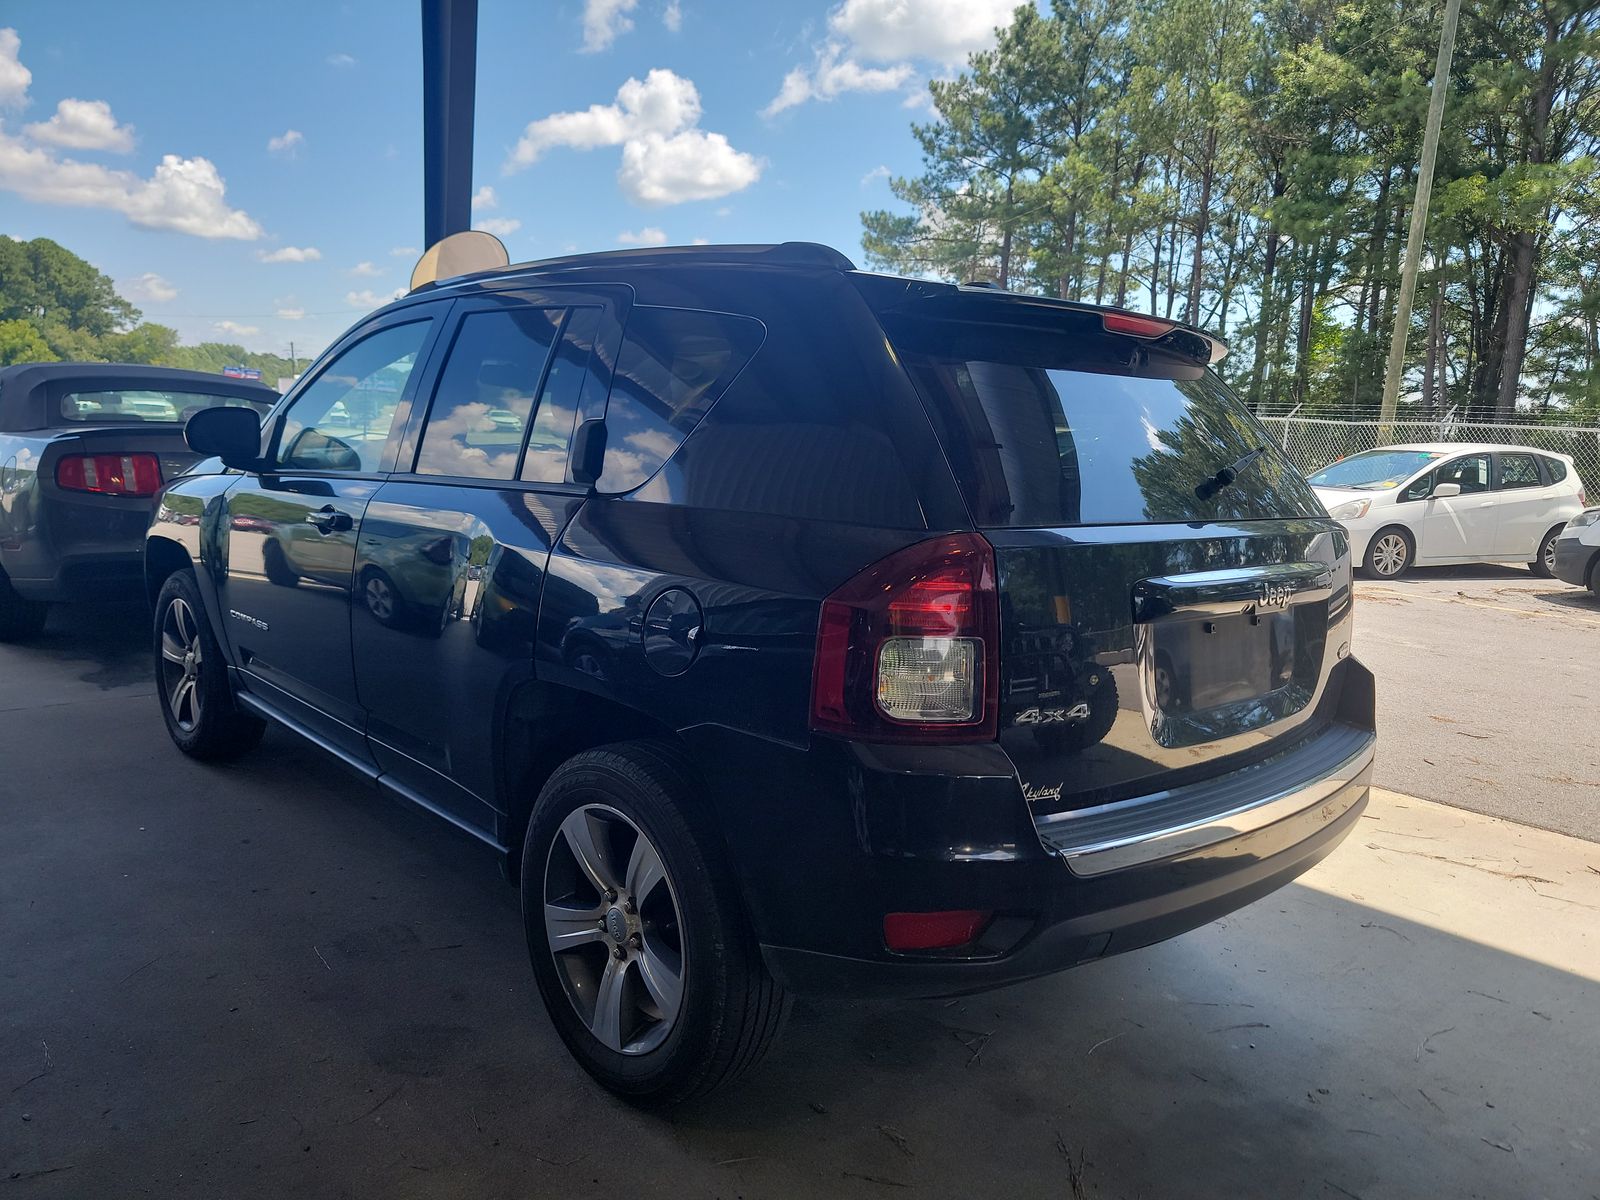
(110, 474)
(1583, 496)
(908, 650)
(933, 930)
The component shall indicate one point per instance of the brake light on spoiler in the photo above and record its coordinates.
(110, 474)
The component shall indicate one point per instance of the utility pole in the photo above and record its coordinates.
(294, 363)
(1419, 220)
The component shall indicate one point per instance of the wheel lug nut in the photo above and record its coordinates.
(629, 907)
(611, 896)
(635, 940)
(601, 923)
(619, 953)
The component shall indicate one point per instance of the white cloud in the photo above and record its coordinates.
(341, 60)
(484, 198)
(14, 77)
(367, 298)
(236, 329)
(604, 21)
(724, 211)
(666, 157)
(650, 235)
(499, 226)
(834, 74)
(290, 254)
(150, 286)
(184, 194)
(291, 314)
(403, 252)
(700, 241)
(878, 172)
(364, 270)
(894, 33)
(84, 125)
(672, 16)
(287, 143)
(942, 31)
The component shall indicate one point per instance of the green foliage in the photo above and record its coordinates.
(1251, 168)
(20, 342)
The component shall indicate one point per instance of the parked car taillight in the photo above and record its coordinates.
(908, 650)
(110, 474)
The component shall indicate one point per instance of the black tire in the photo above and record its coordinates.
(194, 693)
(1544, 562)
(729, 1010)
(1092, 730)
(19, 618)
(1379, 563)
(380, 597)
(276, 565)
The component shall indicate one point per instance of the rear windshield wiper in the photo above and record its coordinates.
(1210, 487)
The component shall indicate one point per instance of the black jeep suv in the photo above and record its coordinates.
(784, 627)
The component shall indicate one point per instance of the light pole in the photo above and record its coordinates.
(449, 87)
(1419, 220)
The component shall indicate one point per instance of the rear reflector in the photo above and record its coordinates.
(1134, 325)
(110, 474)
(933, 930)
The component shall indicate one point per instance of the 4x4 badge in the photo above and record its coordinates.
(1053, 716)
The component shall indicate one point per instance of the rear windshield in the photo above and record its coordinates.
(1048, 429)
(1375, 470)
(165, 407)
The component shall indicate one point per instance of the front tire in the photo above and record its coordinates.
(192, 678)
(19, 618)
(638, 938)
(1390, 553)
(1544, 562)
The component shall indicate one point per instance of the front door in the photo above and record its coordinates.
(1460, 526)
(292, 530)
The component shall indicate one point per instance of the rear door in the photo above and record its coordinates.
(1524, 506)
(1150, 634)
(292, 529)
(1460, 526)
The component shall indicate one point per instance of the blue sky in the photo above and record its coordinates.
(252, 172)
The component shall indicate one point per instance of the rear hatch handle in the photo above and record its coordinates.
(1232, 591)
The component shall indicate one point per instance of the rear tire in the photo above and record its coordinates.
(19, 618)
(662, 1038)
(192, 678)
(1544, 562)
(1390, 553)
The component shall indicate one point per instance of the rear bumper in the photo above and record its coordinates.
(85, 549)
(1573, 560)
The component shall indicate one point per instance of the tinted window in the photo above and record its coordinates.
(146, 404)
(1041, 444)
(1519, 471)
(341, 421)
(1472, 473)
(673, 365)
(1557, 469)
(487, 392)
(546, 461)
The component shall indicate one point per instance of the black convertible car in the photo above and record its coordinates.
(84, 447)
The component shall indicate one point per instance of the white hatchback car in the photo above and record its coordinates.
(1451, 502)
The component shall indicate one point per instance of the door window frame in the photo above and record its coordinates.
(434, 314)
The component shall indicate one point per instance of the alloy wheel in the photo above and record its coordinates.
(1390, 554)
(181, 659)
(380, 598)
(1548, 553)
(613, 925)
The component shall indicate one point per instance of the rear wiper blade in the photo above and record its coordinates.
(1210, 487)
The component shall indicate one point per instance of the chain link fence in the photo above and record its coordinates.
(1313, 442)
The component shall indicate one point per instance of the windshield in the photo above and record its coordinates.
(1375, 469)
(165, 406)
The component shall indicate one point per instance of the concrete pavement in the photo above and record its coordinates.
(261, 980)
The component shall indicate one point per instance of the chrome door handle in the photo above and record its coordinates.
(328, 519)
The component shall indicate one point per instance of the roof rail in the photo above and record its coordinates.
(797, 254)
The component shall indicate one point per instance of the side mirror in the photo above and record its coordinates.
(588, 452)
(231, 434)
(1443, 491)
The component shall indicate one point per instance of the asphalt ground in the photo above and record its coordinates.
(1488, 692)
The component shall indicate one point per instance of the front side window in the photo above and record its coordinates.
(1518, 471)
(1419, 489)
(487, 393)
(1472, 473)
(165, 406)
(341, 421)
(673, 365)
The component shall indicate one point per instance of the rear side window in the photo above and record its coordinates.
(1557, 469)
(1047, 429)
(487, 393)
(1519, 471)
(673, 365)
(159, 405)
